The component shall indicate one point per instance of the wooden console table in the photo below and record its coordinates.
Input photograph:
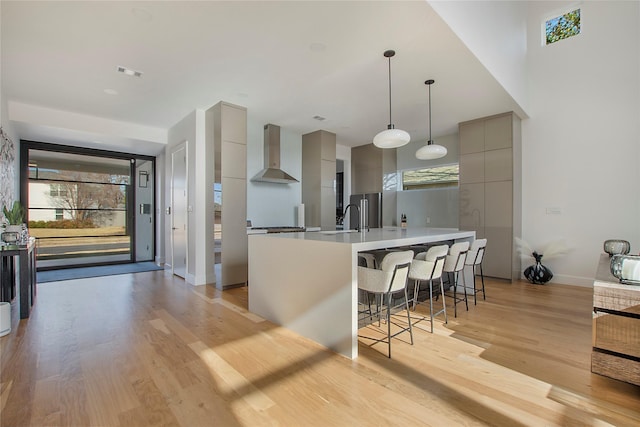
(27, 266)
(616, 326)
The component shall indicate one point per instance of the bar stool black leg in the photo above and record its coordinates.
(484, 295)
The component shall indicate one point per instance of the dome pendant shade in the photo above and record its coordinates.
(430, 151)
(391, 138)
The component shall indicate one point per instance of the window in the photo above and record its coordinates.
(57, 190)
(83, 207)
(434, 177)
(562, 27)
(75, 197)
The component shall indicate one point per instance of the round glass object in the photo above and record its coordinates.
(626, 268)
(615, 247)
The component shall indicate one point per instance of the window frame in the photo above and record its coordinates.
(442, 185)
(558, 14)
(25, 177)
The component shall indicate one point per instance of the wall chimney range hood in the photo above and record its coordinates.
(272, 172)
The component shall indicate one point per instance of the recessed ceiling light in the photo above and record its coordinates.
(320, 118)
(129, 72)
(111, 92)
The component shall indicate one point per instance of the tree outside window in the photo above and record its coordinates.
(89, 203)
(432, 177)
(562, 27)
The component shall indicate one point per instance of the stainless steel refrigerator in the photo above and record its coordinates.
(370, 205)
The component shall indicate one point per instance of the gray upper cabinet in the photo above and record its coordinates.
(230, 177)
(374, 170)
(471, 137)
(498, 132)
(489, 196)
(318, 179)
(366, 169)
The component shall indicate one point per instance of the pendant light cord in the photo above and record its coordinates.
(390, 122)
(429, 142)
(391, 137)
(429, 83)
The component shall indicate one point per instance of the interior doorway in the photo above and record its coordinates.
(179, 224)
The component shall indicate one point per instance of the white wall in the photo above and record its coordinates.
(3, 102)
(200, 204)
(581, 146)
(276, 204)
(185, 130)
(270, 204)
(160, 219)
(496, 33)
(34, 114)
(10, 189)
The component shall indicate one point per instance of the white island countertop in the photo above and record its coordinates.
(307, 282)
(377, 238)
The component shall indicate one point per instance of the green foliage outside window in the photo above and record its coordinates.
(563, 26)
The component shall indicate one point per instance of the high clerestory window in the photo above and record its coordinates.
(562, 27)
(433, 177)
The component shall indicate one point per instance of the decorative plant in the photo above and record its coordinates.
(538, 273)
(16, 215)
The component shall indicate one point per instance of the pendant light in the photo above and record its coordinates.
(430, 151)
(392, 137)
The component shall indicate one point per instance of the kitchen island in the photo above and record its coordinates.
(307, 282)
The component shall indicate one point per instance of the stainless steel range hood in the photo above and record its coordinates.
(272, 171)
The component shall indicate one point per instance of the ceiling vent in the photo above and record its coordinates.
(129, 72)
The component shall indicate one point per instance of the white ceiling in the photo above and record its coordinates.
(285, 61)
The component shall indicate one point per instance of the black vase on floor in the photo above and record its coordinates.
(538, 273)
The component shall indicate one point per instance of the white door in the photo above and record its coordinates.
(179, 211)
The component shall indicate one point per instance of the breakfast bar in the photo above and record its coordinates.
(307, 282)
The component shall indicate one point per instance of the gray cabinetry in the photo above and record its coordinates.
(373, 170)
(489, 197)
(366, 169)
(230, 181)
(318, 179)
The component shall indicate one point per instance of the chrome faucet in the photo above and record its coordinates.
(357, 208)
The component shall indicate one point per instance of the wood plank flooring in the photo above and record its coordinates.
(147, 349)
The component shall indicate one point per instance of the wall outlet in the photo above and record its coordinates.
(428, 220)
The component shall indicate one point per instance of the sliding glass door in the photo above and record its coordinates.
(81, 208)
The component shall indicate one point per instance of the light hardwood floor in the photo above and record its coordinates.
(146, 349)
